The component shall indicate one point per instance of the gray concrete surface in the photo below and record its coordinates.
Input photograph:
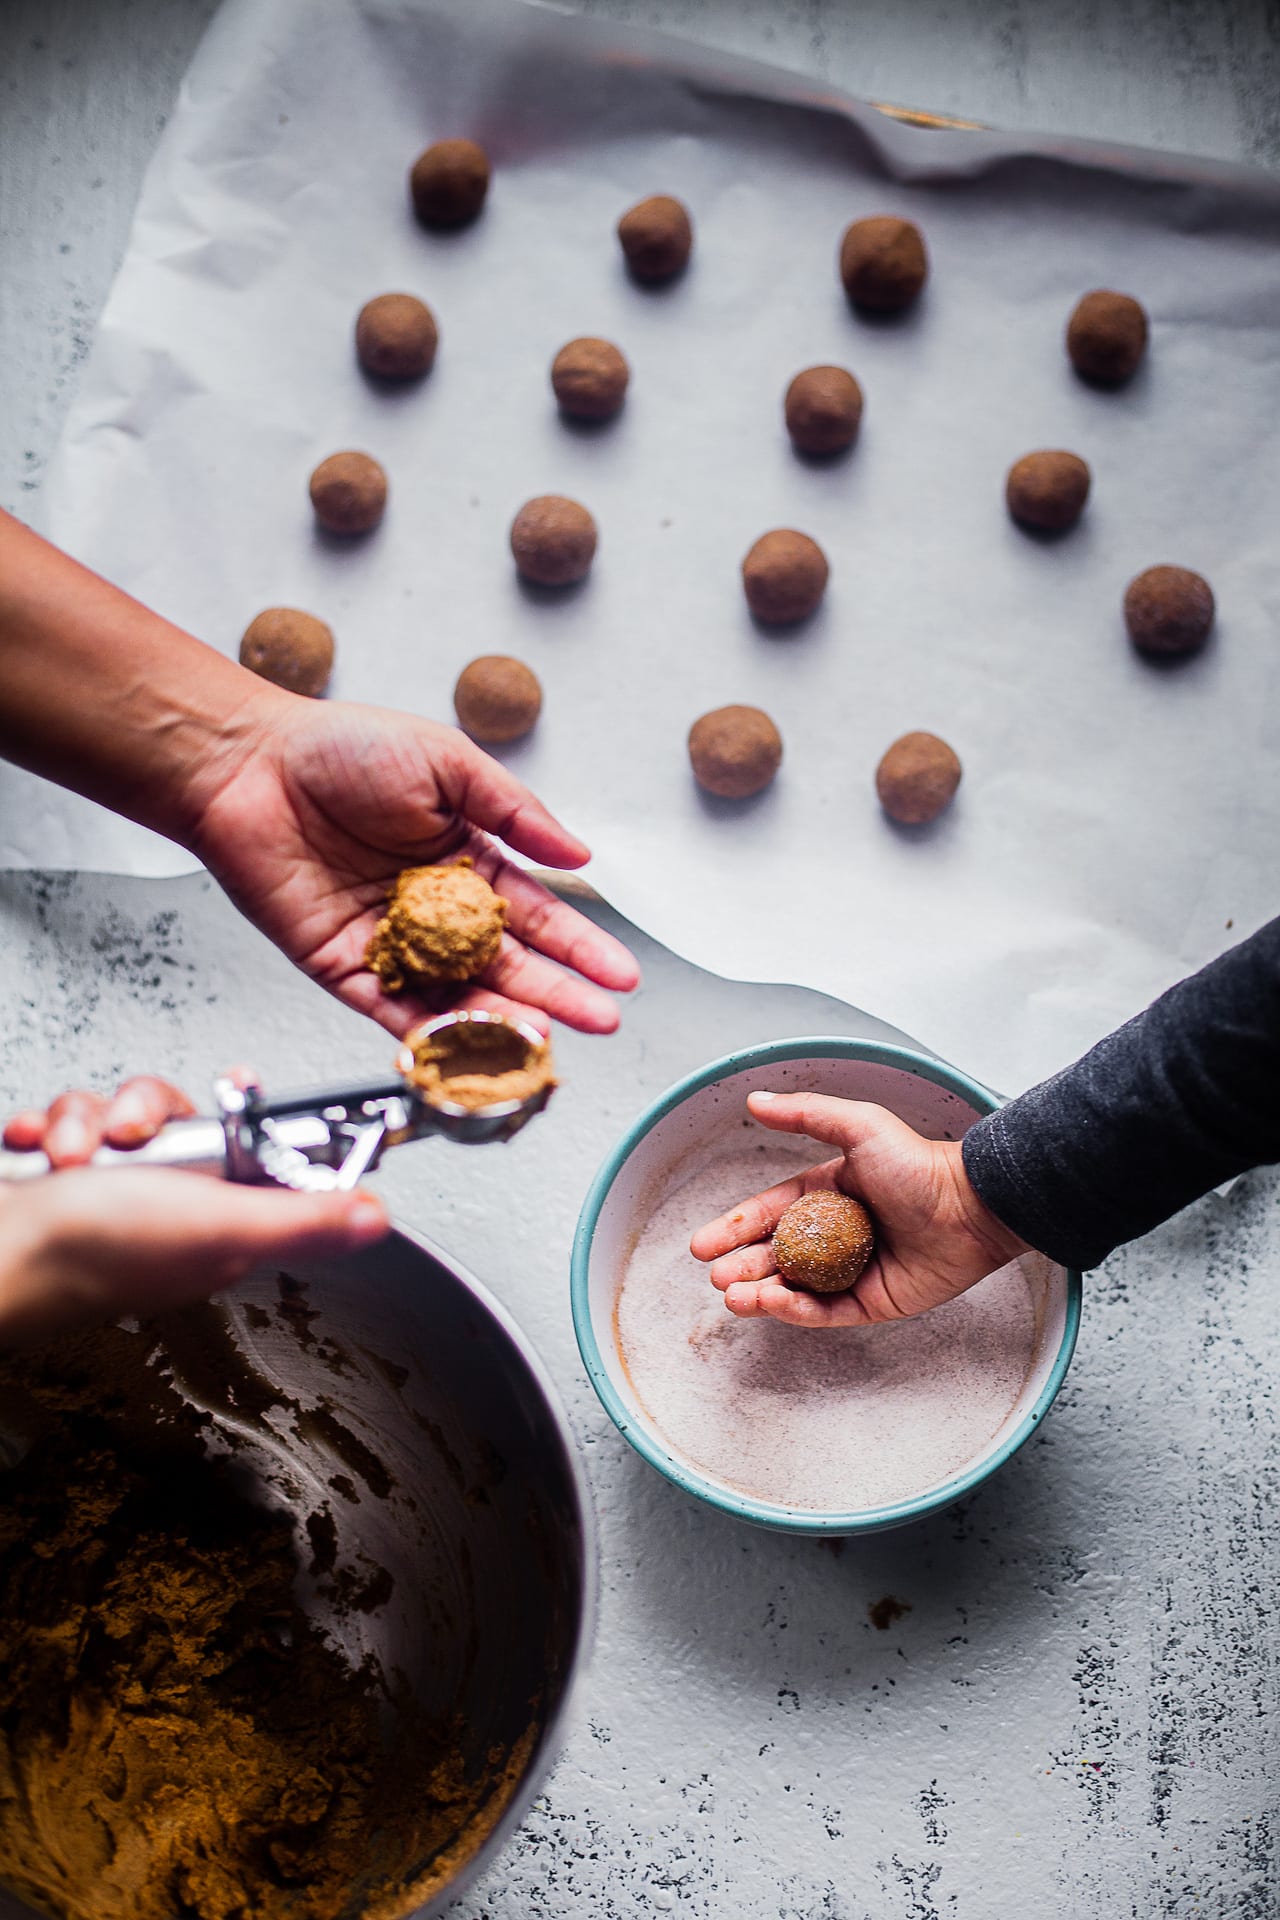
(1081, 1711)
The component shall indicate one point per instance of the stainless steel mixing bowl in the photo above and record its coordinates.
(393, 1391)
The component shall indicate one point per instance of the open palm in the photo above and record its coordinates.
(307, 830)
(934, 1238)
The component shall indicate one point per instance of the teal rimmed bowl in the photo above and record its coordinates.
(652, 1158)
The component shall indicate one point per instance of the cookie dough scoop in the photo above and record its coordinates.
(475, 1077)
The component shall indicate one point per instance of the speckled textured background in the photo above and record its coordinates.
(1080, 1713)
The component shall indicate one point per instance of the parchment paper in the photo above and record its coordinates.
(1116, 824)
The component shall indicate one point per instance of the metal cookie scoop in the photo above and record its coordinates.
(329, 1137)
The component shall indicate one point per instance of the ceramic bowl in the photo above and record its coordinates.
(652, 1158)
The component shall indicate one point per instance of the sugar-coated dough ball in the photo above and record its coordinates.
(443, 924)
(823, 410)
(349, 493)
(290, 648)
(497, 699)
(553, 540)
(1168, 610)
(823, 1242)
(883, 263)
(396, 337)
(1107, 336)
(784, 576)
(657, 237)
(1047, 490)
(589, 378)
(917, 778)
(449, 182)
(734, 751)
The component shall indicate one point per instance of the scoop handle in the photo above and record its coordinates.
(199, 1145)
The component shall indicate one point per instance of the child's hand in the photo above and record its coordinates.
(934, 1237)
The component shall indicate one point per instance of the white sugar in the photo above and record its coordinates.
(854, 1418)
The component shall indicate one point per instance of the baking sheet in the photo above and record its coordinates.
(1116, 823)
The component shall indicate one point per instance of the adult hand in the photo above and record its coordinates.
(305, 810)
(934, 1237)
(76, 1124)
(90, 1244)
(311, 808)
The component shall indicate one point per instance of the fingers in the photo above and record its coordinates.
(748, 1264)
(77, 1123)
(553, 958)
(93, 1244)
(837, 1123)
(401, 1013)
(755, 1219)
(536, 917)
(73, 1129)
(525, 976)
(243, 1077)
(25, 1131)
(219, 1225)
(140, 1108)
(750, 1220)
(483, 792)
(750, 1300)
(553, 964)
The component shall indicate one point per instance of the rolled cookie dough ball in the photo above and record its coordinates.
(497, 699)
(734, 751)
(1107, 336)
(290, 648)
(657, 237)
(589, 378)
(349, 493)
(784, 576)
(823, 410)
(883, 263)
(823, 1242)
(917, 778)
(448, 183)
(1168, 611)
(1047, 490)
(442, 924)
(553, 540)
(396, 337)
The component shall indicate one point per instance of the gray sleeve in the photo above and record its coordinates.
(1182, 1097)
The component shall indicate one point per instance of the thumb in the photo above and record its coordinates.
(91, 1244)
(846, 1124)
(212, 1221)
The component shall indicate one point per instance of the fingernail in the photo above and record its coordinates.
(367, 1221)
(764, 1096)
